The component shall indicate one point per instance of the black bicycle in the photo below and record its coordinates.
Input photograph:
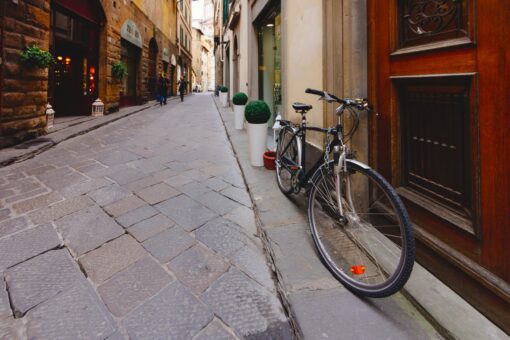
(358, 222)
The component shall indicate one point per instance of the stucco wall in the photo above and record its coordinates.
(302, 56)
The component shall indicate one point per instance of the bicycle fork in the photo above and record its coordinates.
(340, 166)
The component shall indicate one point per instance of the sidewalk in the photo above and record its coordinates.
(318, 305)
(65, 128)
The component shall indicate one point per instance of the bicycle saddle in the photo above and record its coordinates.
(302, 108)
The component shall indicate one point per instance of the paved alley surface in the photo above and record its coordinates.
(142, 229)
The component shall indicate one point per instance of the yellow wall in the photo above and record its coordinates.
(162, 13)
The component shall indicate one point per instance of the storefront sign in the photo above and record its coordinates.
(165, 56)
(131, 33)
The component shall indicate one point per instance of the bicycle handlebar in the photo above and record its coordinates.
(359, 103)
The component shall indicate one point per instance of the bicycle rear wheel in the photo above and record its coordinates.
(286, 155)
(369, 246)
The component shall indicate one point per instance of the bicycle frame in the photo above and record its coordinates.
(300, 134)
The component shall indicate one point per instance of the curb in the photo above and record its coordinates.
(265, 242)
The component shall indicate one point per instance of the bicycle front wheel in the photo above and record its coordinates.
(287, 153)
(361, 229)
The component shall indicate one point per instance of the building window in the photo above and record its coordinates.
(436, 135)
(424, 21)
(181, 35)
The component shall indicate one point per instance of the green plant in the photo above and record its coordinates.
(119, 70)
(257, 112)
(240, 98)
(223, 89)
(35, 57)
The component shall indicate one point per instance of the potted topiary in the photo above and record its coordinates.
(34, 57)
(239, 100)
(257, 114)
(224, 96)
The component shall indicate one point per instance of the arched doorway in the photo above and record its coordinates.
(73, 81)
(235, 61)
(152, 68)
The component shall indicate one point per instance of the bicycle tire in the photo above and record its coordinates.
(368, 254)
(283, 175)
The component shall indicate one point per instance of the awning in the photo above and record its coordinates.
(90, 10)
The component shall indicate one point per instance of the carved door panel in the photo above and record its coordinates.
(439, 73)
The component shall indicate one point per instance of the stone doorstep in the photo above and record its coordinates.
(36, 146)
(449, 313)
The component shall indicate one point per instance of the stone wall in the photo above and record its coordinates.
(24, 90)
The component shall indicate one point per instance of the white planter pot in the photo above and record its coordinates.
(224, 99)
(239, 116)
(257, 138)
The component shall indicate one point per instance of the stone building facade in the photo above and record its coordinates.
(86, 39)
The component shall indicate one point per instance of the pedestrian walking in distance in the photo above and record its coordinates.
(182, 87)
(162, 89)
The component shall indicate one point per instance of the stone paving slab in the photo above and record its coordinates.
(248, 307)
(131, 287)
(217, 203)
(27, 244)
(36, 202)
(60, 209)
(221, 236)
(253, 263)
(360, 318)
(297, 261)
(197, 268)
(186, 212)
(41, 278)
(85, 317)
(169, 243)
(216, 330)
(238, 195)
(81, 188)
(87, 229)
(123, 206)
(194, 189)
(108, 195)
(112, 257)
(130, 218)
(172, 314)
(245, 217)
(157, 193)
(126, 175)
(150, 227)
(13, 225)
(5, 309)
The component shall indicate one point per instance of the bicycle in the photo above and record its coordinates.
(359, 225)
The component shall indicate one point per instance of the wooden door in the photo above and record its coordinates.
(439, 73)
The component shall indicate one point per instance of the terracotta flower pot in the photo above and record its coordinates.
(269, 160)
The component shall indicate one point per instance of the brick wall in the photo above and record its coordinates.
(24, 90)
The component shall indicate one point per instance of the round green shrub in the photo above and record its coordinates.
(35, 57)
(223, 89)
(257, 112)
(240, 98)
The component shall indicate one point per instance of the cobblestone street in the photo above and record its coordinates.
(141, 229)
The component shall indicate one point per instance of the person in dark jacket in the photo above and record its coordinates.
(163, 89)
(182, 87)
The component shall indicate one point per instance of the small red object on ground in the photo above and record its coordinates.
(358, 270)
(269, 160)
